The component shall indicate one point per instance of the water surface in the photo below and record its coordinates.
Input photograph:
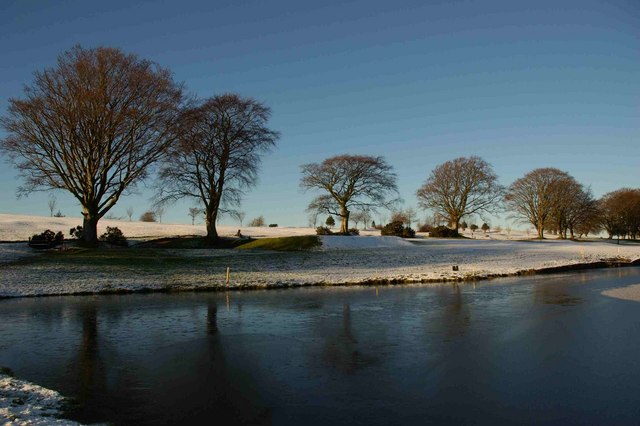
(548, 349)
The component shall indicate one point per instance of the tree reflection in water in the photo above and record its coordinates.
(341, 349)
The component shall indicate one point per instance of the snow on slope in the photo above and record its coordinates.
(21, 227)
(23, 403)
(368, 258)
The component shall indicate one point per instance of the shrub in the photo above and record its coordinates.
(398, 229)
(354, 231)
(76, 232)
(323, 230)
(443, 232)
(258, 221)
(485, 227)
(114, 236)
(148, 216)
(425, 228)
(273, 225)
(48, 237)
(58, 214)
(463, 225)
(408, 232)
(473, 227)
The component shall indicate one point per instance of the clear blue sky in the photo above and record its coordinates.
(524, 84)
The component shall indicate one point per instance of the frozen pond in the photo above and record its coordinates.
(547, 349)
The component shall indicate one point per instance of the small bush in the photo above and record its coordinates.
(257, 222)
(425, 228)
(58, 214)
(354, 231)
(273, 225)
(323, 230)
(48, 237)
(76, 232)
(408, 232)
(148, 216)
(114, 236)
(398, 229)
(443, 232)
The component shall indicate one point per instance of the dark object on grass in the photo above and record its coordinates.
(398, 229)
(443, 232)
(48, 239)
(114, 236)
(273, 225)
(323, 230)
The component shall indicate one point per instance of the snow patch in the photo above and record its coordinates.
(330, 242)
(24, 403)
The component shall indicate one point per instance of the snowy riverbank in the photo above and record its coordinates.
(24, 403)
(368, 258)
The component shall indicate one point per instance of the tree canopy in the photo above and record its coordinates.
(534, 196)
(218, 154)
(350, 181)
(92, 125)
(460, 187)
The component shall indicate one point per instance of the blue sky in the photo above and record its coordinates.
(522, 84)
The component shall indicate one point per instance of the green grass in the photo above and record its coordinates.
(191, 243)
(305, 242)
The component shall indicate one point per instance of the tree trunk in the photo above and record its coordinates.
(210, 219)
(344, 220)
(90, 225)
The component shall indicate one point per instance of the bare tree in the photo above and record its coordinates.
(357, 217)
(159, 210)
(620, 213)
(221, 141)
(574, 206)
(313, 218)
(239, 215)
(406, 216)
(460, 187)
(535, 196)
(129, 212)
(52, 204)
(351, 181)
(257, 222)
(92, 126)
(194, 212)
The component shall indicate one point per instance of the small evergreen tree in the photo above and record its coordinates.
(330, 222)
(473, 227)
(464, 225)
(485, 227)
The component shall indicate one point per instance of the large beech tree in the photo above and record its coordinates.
(92, 125)
(350, 181)
(538, 195)
(620, 213)
(218, 154)
(460, 187)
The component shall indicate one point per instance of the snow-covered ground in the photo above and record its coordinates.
(20, 228)
(341, 260)
(24, 403)
(631, 292)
